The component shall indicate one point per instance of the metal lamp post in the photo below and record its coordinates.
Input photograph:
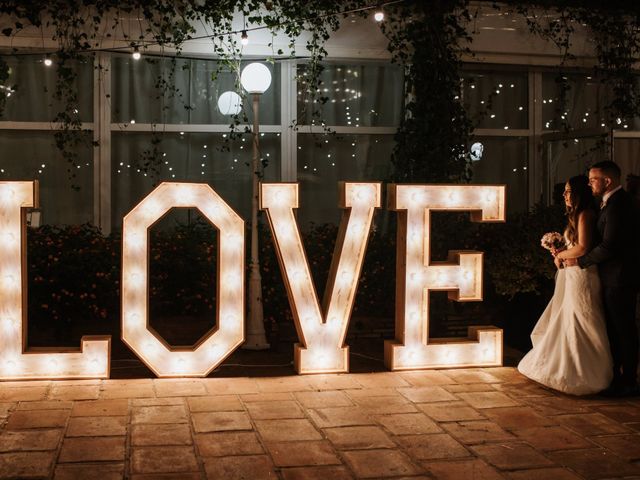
(255, 79)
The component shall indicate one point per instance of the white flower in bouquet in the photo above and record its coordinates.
(552, 241)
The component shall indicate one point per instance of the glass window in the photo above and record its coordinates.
(584, 101)
(337, 158)
(496, 100)
(503, 161)
(139, 91)
(367, 95)
(569, 157)
(32, 99)
(189, 157)
(33, 155)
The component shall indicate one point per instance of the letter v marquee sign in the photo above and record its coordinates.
(416, 275)
(321, 331)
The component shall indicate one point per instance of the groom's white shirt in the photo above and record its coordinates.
(607, 195)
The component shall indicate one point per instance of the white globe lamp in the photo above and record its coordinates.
(229, 103)
(255, 78)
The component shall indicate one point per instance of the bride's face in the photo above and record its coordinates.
(567, 194)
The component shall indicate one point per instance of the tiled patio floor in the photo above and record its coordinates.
(473, 424)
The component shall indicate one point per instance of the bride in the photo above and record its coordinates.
(570, 347)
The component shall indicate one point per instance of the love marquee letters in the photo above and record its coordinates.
(321, 328)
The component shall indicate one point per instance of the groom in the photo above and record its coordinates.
(617, 256)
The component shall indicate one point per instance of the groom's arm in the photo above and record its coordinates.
(612, 238)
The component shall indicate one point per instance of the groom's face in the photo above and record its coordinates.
(598, 182)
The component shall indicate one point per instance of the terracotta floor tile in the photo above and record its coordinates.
(332, 382)
(462, 469)
(160, 434)
(218, 403)
(44, 405)
(522, 389)
(354, 438)
(163, 460)
(15, 441)
(506, 374)
(450, 412)
(543, 474)
(134, 390)
(92, 449)
(267, 397)
(10, 393)
(594, 463)
(471, 376)
(622, 413)
(221, 421)
(173, 388)
(470, 387)
(552, 438)
(511, 456)
(380, 463)
(588, 424)
(167, 476)
(487, 399)
(300, 454)
(556, 405)
(90, 471)
(157, 401)
(427, 394)
(625, 446)
(159, 414)
(287, 430)
(225, 386)
(274, 410)
(475, 432)
(26, 464)
(370, 392)
(426, 378)
(517, 418)
(323, 399)
(388, 404)
(283, 384)
(408, 423)
(95, 408)
(339, 417)
(74, 392)
(247, 467)
(316, 473)
(96, 426)
(432, 447)
(37, 419)
(228, 444)
(381, 380)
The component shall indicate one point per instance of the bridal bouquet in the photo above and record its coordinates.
(552, 240)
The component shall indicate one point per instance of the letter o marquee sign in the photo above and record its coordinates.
(162, 359)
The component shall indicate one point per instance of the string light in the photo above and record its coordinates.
(244, 38)
(379, 15)
(136, 53)
(47, 61)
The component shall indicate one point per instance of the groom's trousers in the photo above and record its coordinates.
(620, 307)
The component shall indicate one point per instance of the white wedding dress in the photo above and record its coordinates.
(570, 346)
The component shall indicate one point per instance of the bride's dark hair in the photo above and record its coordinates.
(581, 199)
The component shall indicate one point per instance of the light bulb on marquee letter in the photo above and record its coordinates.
(197, 361)
(16, 362)
(417, 275)
(321, 331)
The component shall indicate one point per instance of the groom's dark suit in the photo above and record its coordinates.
(616, 255)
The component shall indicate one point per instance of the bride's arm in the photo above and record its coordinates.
(586, 221)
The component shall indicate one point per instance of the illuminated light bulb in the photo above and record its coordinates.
(136, 53)
(378, 16)
(244, 38)
(47, 61)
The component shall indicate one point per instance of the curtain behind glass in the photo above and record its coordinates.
(143, 91)
(32, 155)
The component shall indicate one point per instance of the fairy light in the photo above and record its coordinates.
(47, 61)
(163, 360)
(16, 361)
(460, 275)
(136, 53)
(321, 331)
(244, 38)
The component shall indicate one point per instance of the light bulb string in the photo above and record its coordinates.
(244, 30)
